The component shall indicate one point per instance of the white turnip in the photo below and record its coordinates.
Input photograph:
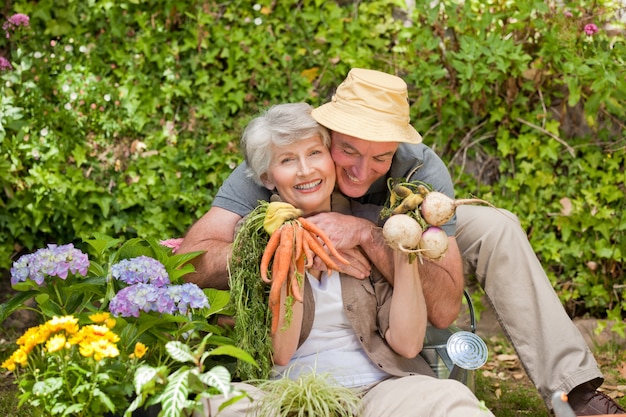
(434, 243)
(402, 232)
(437, 208)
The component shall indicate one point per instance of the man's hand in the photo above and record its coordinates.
(358, 240)
(344, 231)
(359, 266)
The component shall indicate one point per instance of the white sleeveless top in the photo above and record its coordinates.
(332, 347)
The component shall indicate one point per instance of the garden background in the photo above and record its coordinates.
(123, 117)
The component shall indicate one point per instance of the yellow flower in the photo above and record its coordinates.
(33, 337)
(94, 332)
(103, 332)
(9, 364)
(85, 350)
(19, 357)
(104, 349)
(55, 343)
(100, 317)
(140, 350)
(67, 323)
(103, 317)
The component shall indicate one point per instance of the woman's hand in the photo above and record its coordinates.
(359, 240)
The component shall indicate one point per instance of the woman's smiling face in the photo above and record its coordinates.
(303, 173)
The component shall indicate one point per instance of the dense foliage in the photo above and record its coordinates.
(123, 117)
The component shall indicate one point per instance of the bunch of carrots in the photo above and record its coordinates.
(290, 250)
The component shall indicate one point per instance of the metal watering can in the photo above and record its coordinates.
(454, 353)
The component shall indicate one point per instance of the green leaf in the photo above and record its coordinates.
(74, 409)
(233, 351)
(218, 377)
(15, 303)
(47, 386)
(218, 299)
(102, 242)
(134, 248)
(176, 394)
(146, 377)
(180, 351)
(104, 399)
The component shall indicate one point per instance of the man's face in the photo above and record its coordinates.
(359, 163)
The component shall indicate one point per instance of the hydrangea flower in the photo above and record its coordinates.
(173, 299)
(187, 296)
(591, 29)
(141, 269)
(129, 301)
(54, 261)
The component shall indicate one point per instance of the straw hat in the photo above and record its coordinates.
(370, 105)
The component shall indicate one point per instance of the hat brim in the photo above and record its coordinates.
(362, 127)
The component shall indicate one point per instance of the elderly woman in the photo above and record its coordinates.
(366, 334)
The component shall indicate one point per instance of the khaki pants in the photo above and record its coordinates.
(411, 396)
(496, 250)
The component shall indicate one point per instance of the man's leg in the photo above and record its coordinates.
(421, 395)
(496, 250)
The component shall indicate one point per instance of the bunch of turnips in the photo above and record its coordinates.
(414, 214)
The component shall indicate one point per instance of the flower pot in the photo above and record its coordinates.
(152, 411)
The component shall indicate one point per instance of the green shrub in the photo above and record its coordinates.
(124, 117)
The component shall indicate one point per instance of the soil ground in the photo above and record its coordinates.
(503, 372)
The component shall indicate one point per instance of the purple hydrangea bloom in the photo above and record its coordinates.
(187, 296)
(5, 64)
(591, 29)
(54, 261)
(173, 299)
(130, 301)
(15, 21)
(141, 269)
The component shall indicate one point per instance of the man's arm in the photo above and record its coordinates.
(442, 280)
(213, 233)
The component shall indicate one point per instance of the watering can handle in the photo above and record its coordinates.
(470, 306)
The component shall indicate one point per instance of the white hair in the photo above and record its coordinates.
(280, 125)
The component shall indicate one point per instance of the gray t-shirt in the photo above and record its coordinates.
(240, 194)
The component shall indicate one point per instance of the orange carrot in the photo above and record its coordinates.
(298, 237)
(282, 261)
(316, 231)
(317, 248)
(295, 280)
(308, 253)
(268, 253)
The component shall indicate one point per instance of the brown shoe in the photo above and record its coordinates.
(594, 403)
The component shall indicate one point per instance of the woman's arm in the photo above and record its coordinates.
(285, 340)
(407, 315)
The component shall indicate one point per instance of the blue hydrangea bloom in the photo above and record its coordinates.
(172, 299)
(130, 301)
(141, 269)
(187, 296)
(54, 261)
